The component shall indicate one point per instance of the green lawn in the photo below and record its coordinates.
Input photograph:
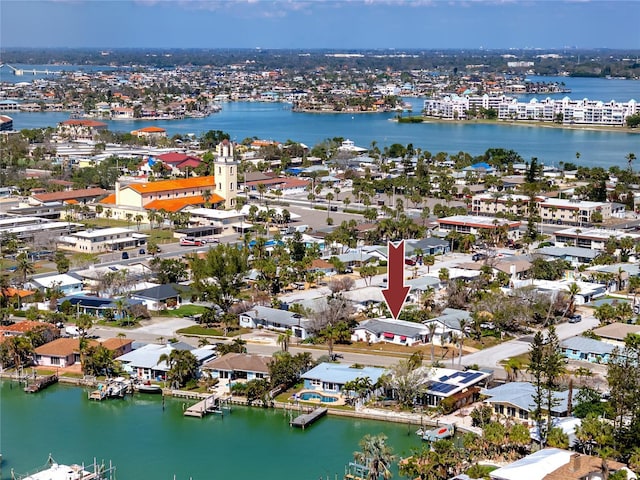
(183, 311)
(200, 330)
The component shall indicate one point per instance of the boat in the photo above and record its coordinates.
(439, 433)
(118, 387)
(55, 471)
(147, 387)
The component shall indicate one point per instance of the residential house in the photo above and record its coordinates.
(447, 324)
(387, 330)
(276, 319)
(233, 367)
(67, 283)
(144, 363)
(426, 246)
(19, 329)
(516, 400)
(150, 132)
(80, 129)
(331, 377)
(461, 387)
(160, 297)
(97, 306)
(557, 464)
(615, 333)
(65, 352)
(575, 255)
(586, 349)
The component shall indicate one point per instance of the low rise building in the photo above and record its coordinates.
(102, 240)
(276, 319)
(470, 224)
(592, 238)
(586, 349)
(391, 331)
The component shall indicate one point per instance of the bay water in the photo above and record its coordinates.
(146, 441)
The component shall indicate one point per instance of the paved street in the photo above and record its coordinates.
(491, 357)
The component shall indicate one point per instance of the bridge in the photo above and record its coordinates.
(22, 71)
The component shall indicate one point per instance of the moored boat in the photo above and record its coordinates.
(147, 387)
(440, 433)
(55, 471)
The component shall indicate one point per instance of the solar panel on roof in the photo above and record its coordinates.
(471, 377)
(443, 378)
(447, 388)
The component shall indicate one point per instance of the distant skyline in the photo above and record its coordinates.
(311, 24)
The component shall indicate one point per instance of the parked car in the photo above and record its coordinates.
(478, 257)
(142, 251)
(409, 261)
(125, 256)
(575, 318)
(190, 242)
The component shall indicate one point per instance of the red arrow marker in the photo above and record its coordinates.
(397, 292)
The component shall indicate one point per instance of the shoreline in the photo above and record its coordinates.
(366, 413)
(523, 123)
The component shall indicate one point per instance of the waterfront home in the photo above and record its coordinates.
(150, 132)
(516, 400)
(447, 324)
(461, 388)
(238, 367)
(143, 362)
(558, 464)
(388, 330)
(586, 349)
(160, 297)
(80, 129)
(64, 352)
(331, 377)
(276, 319)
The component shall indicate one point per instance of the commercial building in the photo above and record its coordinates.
(102, 240)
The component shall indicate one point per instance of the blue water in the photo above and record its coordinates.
(147, 441)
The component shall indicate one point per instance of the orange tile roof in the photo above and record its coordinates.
(25, 326)
(84, 123)
(62, 347)
(12, 292)
(116, 343)
(177, 204)
(168, 185)
(71, 201)
(151, 130)
(109, 199)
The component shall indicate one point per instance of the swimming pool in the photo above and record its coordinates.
(317, 396)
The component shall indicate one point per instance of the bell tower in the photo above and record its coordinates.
(226, 174)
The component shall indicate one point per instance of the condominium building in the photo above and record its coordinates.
(578, 112)
(550, 210)
(593, 238)
(470, 224)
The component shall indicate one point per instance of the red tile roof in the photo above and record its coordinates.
(176, 157)
(109, 199)
(151, 130)
(25, 326)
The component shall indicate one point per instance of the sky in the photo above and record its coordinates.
(331, 24)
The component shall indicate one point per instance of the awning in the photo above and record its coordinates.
(403, 338)
(388, 335)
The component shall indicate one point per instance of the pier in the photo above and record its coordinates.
(211, 404)
(301, 421)
(41, 383)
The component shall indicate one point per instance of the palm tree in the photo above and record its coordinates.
(283, 340)
(138, 219)
(512, 369)
(329, 197)
(429, 260)
(182, 364)
(574, 290)
(24, 267)
(376, 455)
(630, 158)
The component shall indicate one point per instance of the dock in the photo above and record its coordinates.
(41, 383)
(211, 404)
(301, 421)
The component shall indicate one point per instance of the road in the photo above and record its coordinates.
(491, 357)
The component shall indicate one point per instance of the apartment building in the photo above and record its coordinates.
(102, 240)
(593, 238)
(470, 224)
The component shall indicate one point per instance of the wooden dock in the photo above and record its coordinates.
(211, 404)
(41, 383)
(301, 421)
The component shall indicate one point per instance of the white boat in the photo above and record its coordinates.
(56, 471)
(438, 433)
(147, 387)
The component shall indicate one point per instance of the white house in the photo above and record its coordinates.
(276, 319)
(447, 324)
(391, 331)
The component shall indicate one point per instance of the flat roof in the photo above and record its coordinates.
(102, 231)
(477, 221)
